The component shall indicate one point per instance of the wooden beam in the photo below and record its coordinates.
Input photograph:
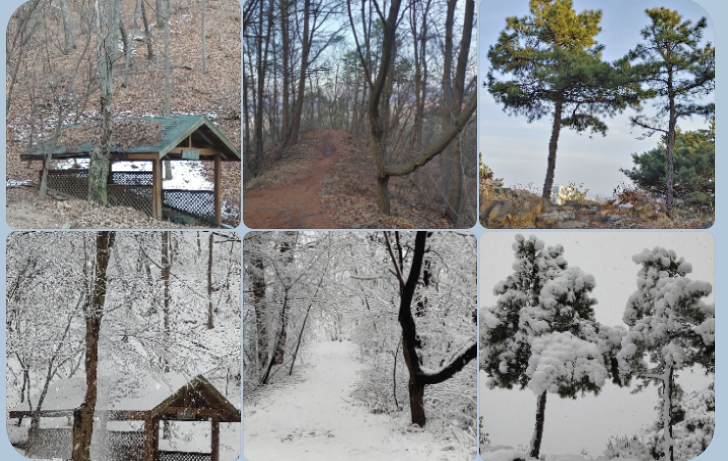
(157, 188)
(218, 190)
(203, 150)
(140, 156)
(215, 439)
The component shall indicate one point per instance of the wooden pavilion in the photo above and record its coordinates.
(152, 402)
(148, 139)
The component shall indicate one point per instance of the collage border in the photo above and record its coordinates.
(717, 10)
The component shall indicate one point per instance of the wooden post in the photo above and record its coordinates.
(155, 435)
(215, 438)
(149, 437)
(157, 188)
(218, 189)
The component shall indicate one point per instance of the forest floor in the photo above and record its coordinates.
(311, 416)
(24, 209)
(327, 180)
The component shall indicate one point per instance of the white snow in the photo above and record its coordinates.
(312, 417)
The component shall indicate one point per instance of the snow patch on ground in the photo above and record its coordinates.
(313, 417)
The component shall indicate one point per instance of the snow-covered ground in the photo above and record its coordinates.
(313, 418)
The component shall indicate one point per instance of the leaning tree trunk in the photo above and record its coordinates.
(553, 145)
(538, 430)
(83, 420)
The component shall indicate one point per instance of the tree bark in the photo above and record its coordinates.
(285, 45)
(204, 33)
(667, 391)
(165, 273)
(305, 49)
(67, 26)
(411, 343)
(100, 153)
(210, 310)
(538, 430)
(455, 184)
(147, 34)
(84, 416)
(672, 126)
(134, 29)
(261, 318)
(167, 70)
(262, 60)
(553, 145)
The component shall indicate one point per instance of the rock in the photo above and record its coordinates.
(571, 225)
(553, 219)
(503, 208)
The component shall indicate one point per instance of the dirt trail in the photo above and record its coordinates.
(295, 204)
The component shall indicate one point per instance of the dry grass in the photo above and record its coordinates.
(25, 210)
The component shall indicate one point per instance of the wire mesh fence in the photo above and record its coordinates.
(182, 456)
(134, 189)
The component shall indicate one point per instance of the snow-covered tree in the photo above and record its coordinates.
(542, 333)
(671, 328)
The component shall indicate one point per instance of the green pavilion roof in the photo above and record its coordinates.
(176, 130)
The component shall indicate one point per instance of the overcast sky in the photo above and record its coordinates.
(517, 151)
(587, 422)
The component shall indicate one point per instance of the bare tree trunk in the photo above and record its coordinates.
(553, 145)
(305, 49)
(210, 312)
(134, 29)
(204, 33)
(535, 448)
(285, 44)
(166, 269)
(83, 421)
(262, 69)
(100, 153)
(671, 128)
(261, 318)
(67, 26)
(28, 23)
(161, 17)
(167, 66)
(147, 34)
(411, 343)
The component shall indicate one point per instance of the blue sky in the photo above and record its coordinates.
(517, 151)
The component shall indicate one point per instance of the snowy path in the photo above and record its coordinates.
(315, 418)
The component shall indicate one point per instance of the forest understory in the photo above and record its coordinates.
(327, 181)
(44, 71)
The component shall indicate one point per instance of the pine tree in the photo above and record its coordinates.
(542, 333)
(549, 64)
(680, 71)
(694, 167)
(670, 328)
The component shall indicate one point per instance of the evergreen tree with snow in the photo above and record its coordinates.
(671, 328)
(542, 333)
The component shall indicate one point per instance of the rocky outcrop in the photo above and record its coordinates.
(503, 208)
